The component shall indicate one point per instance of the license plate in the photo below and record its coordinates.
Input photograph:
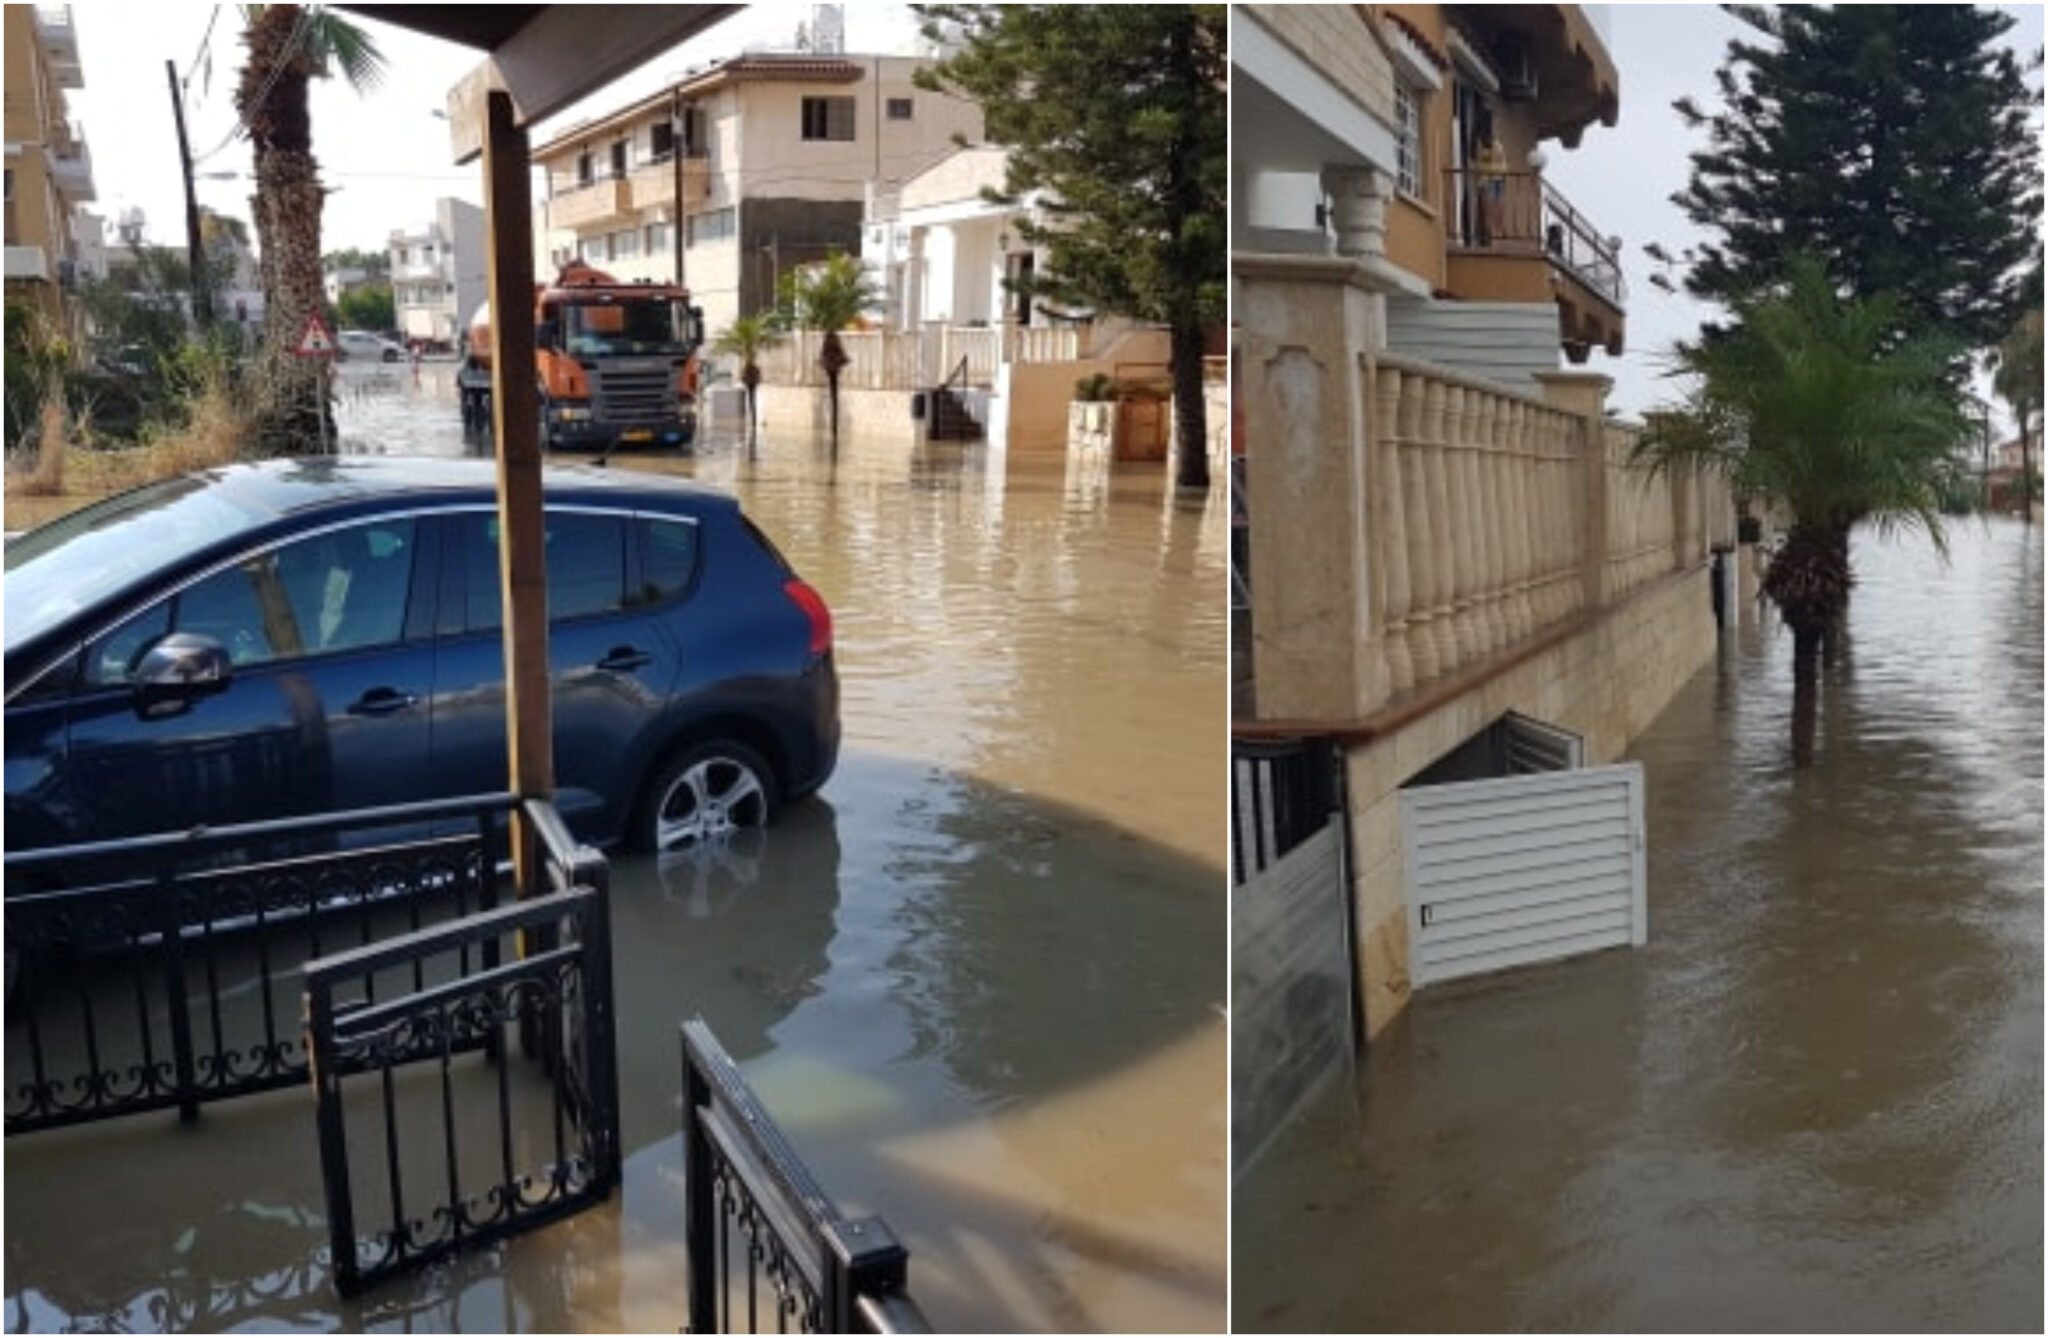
(637, 434)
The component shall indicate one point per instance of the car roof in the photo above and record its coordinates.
(288, 487)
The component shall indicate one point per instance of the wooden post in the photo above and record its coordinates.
(522, 526)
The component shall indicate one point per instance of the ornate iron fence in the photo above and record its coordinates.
(765, 1243)
(452, 1127)
(143, 975)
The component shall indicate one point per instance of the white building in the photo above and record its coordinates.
(439, 272)
(768, 159)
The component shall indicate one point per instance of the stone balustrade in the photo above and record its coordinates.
(1411, 524)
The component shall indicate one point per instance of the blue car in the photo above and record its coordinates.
(273, 640)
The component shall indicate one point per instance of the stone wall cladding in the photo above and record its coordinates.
(1607, 683)
(1334, 39)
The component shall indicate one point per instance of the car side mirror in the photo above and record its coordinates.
(177, 671)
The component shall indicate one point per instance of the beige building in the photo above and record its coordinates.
(1377, 119)
(49, 169)
(765, 161)
(1459, 599)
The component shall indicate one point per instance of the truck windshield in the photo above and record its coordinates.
(647, 325)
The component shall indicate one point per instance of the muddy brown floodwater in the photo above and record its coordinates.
(979, 981)
(1813, 1101)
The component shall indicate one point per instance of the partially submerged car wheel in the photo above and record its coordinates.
(704, 794)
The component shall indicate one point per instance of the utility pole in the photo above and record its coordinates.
(679, 144)
(195, 247)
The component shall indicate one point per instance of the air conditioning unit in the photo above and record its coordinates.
(1518, 74)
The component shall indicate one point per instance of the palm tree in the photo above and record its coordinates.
(829, 296)
(747, 338)
(1810, 402)
(290, 46)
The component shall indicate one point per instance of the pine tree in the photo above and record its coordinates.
(1117, 115)
(1892, 140)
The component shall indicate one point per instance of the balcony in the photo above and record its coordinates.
(71, 167)
(28, 262)
(599, 202)
(1532, 245)
(60, 41)
(654, 186)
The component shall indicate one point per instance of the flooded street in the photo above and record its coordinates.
(1813, 1101)
(979, 980)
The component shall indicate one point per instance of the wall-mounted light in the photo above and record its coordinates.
(1537, 160)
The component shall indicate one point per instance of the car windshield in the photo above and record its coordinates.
(77, 560)
(647, 325)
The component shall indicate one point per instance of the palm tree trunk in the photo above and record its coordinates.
(290, 390)
(1190, 407)
(1809, 581)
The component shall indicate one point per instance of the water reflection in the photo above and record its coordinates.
(1813, 1101)
(979, 979)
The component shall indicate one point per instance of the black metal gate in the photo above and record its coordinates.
(767, 1245)
(163, 972)
(490, 1081)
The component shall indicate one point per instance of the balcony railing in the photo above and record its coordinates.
(587, 204)
(1529, 216)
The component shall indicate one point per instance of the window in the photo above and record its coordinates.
(619, 158)
(586, 567)
(626, 244)
(345, 590)
(661, 141)
(585, 171)
(714, 226)
(668, 557)
(899, 109)
(1408, 130)
(661, 239)
(828, 118)
(591, 249)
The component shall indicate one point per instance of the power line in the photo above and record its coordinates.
(302, 27)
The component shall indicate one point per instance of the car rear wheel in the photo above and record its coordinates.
(705, 793)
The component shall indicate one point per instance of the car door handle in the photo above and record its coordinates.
(624, 659)
(382, 701)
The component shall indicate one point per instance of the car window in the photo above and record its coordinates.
(668, 558)
(586, 567)
(342, 590)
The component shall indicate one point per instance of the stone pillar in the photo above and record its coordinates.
(1391, 517)
(1489, 438)
(1358, 210)
(1584, 395)
(1443, 583)
(1305, 328)
(1462, 521)
(1516, 505)
(1422, 524)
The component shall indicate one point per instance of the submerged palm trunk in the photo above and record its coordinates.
(1809, 581)
(833, 359)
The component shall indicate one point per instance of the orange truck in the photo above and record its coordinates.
(617, 362)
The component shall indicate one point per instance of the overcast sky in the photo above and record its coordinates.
(389, 158)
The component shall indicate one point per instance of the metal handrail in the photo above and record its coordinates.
(852, 1272)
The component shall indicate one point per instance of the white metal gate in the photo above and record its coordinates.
(1525, 869)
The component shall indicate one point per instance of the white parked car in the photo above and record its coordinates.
(372, 348)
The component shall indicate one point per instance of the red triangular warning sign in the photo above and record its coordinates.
(316, 342)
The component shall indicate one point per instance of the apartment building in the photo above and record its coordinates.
(1415, 136)
(439, 272)
(49, 168)
(738, 172)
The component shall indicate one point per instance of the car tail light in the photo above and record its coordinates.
(813, 605)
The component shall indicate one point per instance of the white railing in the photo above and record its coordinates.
(1499, 516)
(919, 359)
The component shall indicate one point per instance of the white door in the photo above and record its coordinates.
(1526, 869)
